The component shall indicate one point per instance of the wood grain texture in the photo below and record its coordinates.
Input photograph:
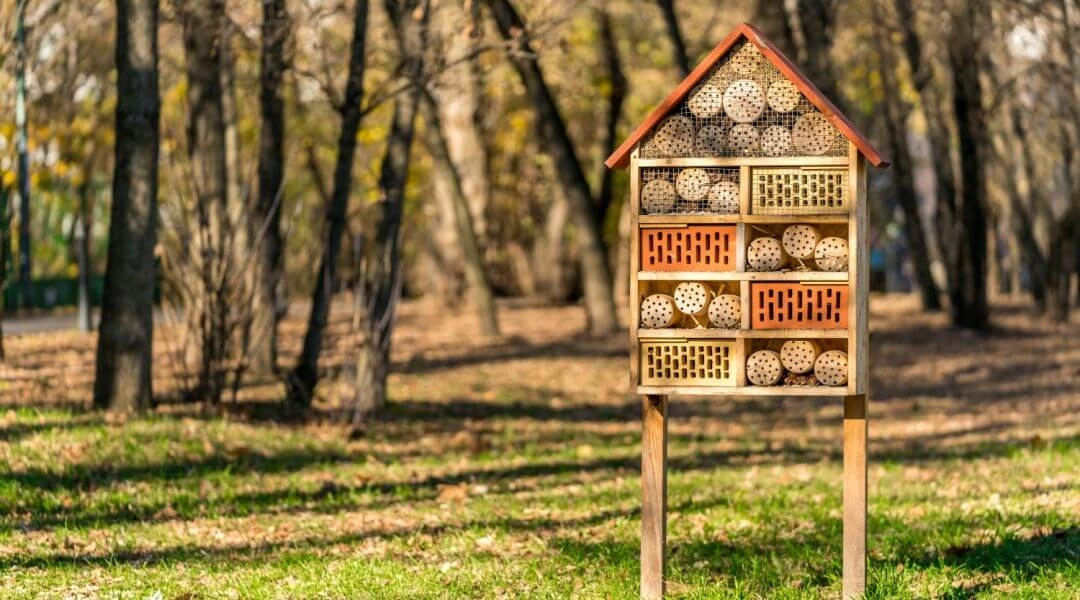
(635, 265)
(854, 570)
(653, 495)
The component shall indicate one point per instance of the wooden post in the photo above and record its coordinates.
(854, 496)
(653, 495)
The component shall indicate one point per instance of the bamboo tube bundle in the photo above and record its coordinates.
(724, 198)
(764, 368)
(745, 60)
(800, 241)
(776, 141)
(813, 134)
(765, 254)
(705, 101)
(692, 298)
(831, 254)
(783, 96)
(725, 311)
(798, 356)
(710, 140)
(692, 184)
(658, 196)
(675, 137)
(831, 367)
(744, 101)
(658, 310)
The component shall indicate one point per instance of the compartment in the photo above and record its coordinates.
(797, 246)
(802, 363)
(687, 362)
(690, 305)
(799, 190)
(688, 248)
(795, 305)
(689, 191)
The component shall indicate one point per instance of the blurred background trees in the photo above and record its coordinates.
(451, 150)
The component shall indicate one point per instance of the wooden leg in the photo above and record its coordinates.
(854, 496)
(653, 495)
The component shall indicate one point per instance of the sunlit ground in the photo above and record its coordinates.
(509, 469)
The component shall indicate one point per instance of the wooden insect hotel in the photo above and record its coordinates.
(749, 270)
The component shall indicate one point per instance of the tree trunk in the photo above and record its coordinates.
(409, 18)
(5, 248)
(903, 174)
(615, 99)
(969, 308)
(22, 151)
(301, 383)
(816, 20)
(675, 36)
(269, 266)
(122, 378)
(551, 130)
(479, 288)
(82, 254)
(204, 34)
(770, 16)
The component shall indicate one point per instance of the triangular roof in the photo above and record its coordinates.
(621, 156)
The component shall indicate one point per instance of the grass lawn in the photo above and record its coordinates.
(509, 469)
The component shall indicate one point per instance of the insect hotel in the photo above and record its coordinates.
(749, 271)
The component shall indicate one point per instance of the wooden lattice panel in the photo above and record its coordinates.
(687, 362)
(799, 190)
(798, 306)
(691, 248)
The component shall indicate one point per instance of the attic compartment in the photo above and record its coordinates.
(744, 107)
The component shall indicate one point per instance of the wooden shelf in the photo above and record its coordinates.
(646, 220)
(812, 276)
(749, 390)
(738, 161)
(751, 334)
(795, 219)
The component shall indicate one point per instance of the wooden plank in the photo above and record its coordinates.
(858, 345)
(782, 219)
(809, 276)
(854, 570)
(777, 390)
(653, 495)
(749, 161)
(635, 265)
(687, 219)
(760, 334)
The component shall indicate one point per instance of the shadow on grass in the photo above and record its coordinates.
(335, 498)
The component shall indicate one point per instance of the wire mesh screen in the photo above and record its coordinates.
(744, 107)
(689, 191)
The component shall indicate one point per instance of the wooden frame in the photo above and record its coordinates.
(748, 225)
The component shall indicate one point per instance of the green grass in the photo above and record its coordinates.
(512, 505)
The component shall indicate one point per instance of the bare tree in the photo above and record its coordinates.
(269, 265)
(479, 287)
(123, 374)
(675, 36)
(551, 130)
(409, 19)
(302, 380)
(204, 33)
(896, 113)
